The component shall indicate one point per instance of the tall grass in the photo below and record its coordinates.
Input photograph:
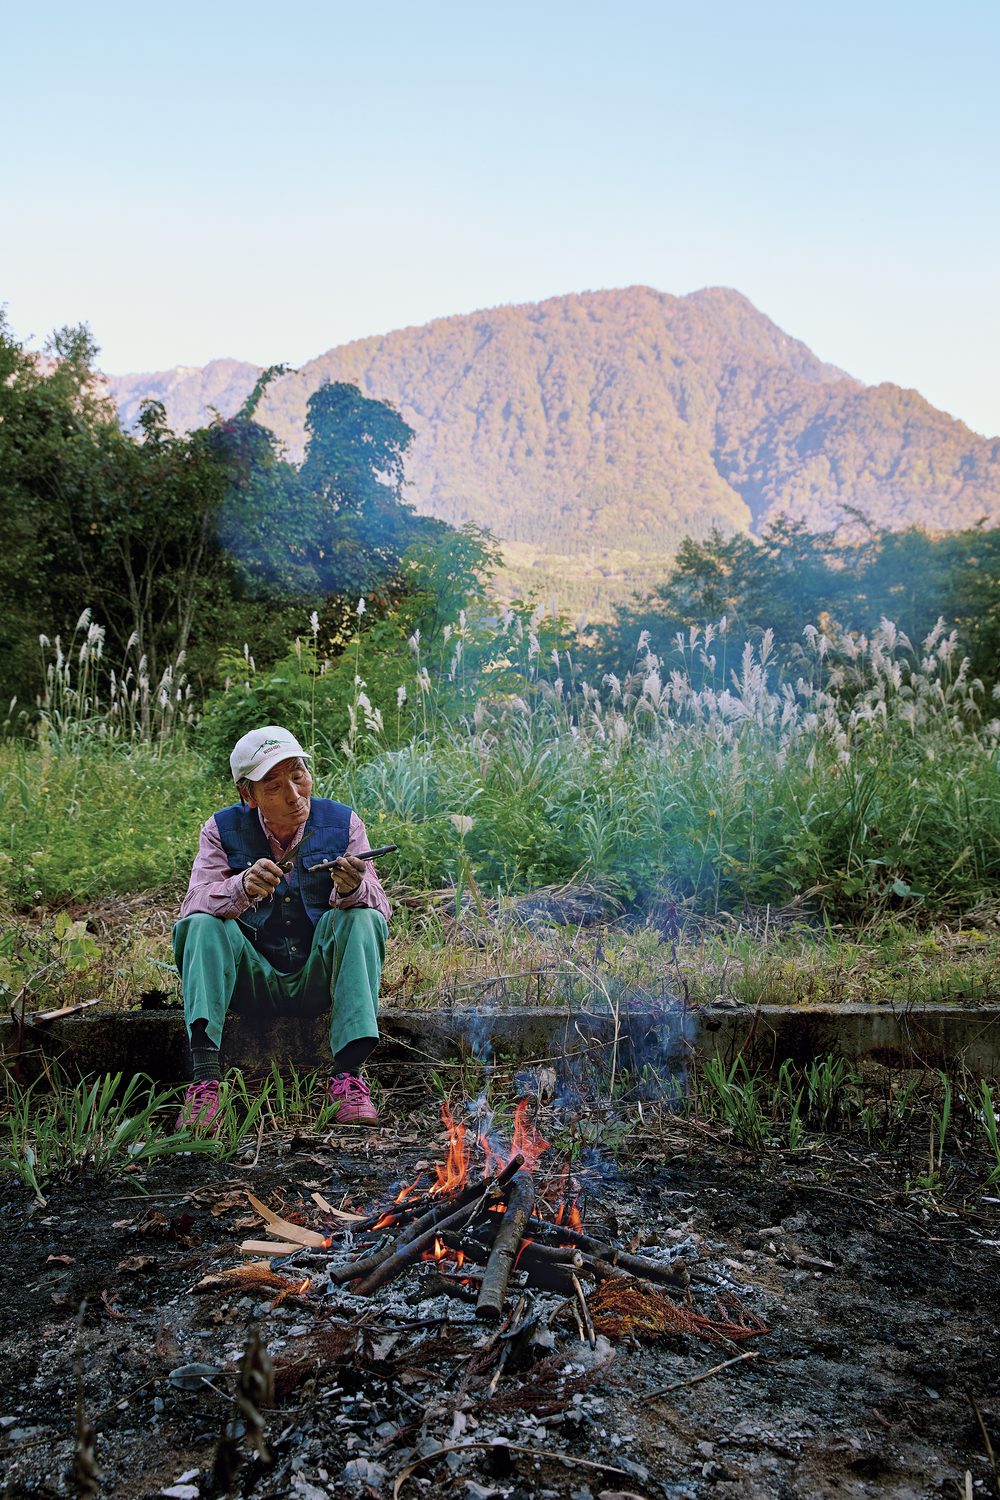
(99, 817)
(872, 779)
(119, 705)
(99, 791)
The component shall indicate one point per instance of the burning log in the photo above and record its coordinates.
(556, 1255)
(506, 1245)
(403, 1255)
(547, 1268)
(437, 1218)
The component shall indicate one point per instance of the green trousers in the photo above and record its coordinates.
(220, 968)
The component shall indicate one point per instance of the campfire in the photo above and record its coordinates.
(496, 1225)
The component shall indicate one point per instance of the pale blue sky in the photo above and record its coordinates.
(265, 181)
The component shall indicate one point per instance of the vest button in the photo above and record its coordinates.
(288, 898)
(288, 924)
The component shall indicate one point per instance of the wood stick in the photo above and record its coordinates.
(653, 1270)
(554, 1255)
(337, 1213)
(579, 1321)
(545, 1270)
(986, 1437)
(584, 1311)
(268, 1247)
(603, 1270)
(434, 1219)
(694, 1379)
(506, 1245)
(404, 1255)
(519, 1309)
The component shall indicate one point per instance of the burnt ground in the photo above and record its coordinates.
(858, 1387)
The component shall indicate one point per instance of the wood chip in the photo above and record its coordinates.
(290, 1231)
(64, 1010)
(268, 1247)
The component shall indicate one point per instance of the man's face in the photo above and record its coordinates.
(283, 794)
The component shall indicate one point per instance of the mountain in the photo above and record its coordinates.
(189, 392)
(592, 432)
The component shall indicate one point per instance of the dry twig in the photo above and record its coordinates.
(255, 1390)
(705, 1375)
(86, 1474)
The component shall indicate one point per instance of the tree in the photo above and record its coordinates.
(845, 580)
(339, 526)
(355, 450)
(96, 517)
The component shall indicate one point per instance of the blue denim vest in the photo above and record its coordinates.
(281, 927)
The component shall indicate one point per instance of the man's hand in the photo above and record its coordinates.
(347, 874)
(262, 879)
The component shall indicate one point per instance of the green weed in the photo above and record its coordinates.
(242, 1115)
(831, 1088)
(89, 1128)
(736, 1095)
(786, 1092)
(988, 1121)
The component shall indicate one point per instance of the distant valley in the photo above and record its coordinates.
(592, 432)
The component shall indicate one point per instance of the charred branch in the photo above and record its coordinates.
(520, 1203)
(672, 1274)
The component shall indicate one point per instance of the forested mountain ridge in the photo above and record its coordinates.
(624, 420)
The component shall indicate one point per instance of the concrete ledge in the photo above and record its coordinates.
(869, 1036)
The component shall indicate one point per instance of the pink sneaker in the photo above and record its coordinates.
(351, 1093)
(201, 1105)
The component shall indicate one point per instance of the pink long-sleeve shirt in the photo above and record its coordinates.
(215, 890)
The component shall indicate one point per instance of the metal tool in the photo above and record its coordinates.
(328, 864)
(284, 865)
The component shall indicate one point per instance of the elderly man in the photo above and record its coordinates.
(282, 918)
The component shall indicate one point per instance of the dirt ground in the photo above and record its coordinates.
(858, 1387)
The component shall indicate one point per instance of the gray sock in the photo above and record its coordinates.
(206, 1062)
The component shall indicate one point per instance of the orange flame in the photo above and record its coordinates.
(405, 1193)
(528, 1142)
(561, 1190)
(441, 1252)
(385, 1221)
(570, 1217)
(453, 1174)
(296, 1289)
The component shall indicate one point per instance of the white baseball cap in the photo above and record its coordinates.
(255, 754)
